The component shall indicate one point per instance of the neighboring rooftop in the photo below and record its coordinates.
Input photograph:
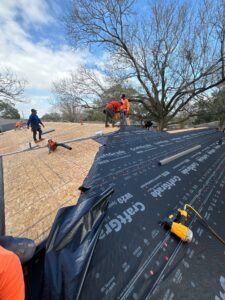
(7, 124)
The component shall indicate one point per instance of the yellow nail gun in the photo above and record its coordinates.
(175, 223)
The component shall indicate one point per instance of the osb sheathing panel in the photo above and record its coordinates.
(15, 140)
(37, 184)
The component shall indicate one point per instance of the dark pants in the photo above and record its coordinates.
(109, 116)
(35, 129)
(123, 116)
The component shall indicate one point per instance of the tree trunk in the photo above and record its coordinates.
(221, 123)
(162, 123)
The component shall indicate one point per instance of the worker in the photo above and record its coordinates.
(148, 124)
(124, 110)
(112, 108)
(35, 122)
(19, 124)
(11, 276)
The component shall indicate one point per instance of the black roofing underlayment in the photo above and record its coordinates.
(135, 257)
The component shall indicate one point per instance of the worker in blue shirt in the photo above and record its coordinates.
(34, 121)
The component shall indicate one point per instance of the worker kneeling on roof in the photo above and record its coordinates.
(19, 124)
(112, 108)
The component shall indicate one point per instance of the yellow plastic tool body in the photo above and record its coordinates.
(181, 231)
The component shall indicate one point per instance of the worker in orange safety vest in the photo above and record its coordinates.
(19, 124)
(124, 110)
(111, 109)
(11, 276)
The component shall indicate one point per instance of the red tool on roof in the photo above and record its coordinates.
(52, 145)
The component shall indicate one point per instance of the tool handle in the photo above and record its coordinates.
(181, 219)
(64, 146)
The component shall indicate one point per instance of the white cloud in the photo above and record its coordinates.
(40, 103)
(35, 11)
(38, 62)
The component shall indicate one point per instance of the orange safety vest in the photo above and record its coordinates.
(125, 104)
(11, 276)
(114, 105)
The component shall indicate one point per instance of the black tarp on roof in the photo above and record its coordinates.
(136, 258)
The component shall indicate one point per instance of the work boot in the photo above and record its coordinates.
(41, 139)
(36, 141)
(106, 125)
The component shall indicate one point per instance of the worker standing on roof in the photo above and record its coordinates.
(35, 122)
(110, 111)
(11, 276)
(124, 110)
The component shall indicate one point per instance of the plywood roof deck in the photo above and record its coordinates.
(37, 184)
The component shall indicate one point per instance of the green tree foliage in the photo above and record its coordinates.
(204, 113)
(212, 109)
(114, 93)
(8, 111)
(54, 117)
(94, 115)
(218, 106)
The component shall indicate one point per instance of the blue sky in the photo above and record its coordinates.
(33, 45)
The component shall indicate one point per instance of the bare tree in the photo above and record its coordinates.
(76, 92)
(70, 111)
(11, 88)
(174, 50)
(85, 89)
(80, 88)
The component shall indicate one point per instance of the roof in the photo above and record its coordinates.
(134, 257)
(121, 251)
(37, 184)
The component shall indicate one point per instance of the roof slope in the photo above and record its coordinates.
(37, 184)
(136, 258)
